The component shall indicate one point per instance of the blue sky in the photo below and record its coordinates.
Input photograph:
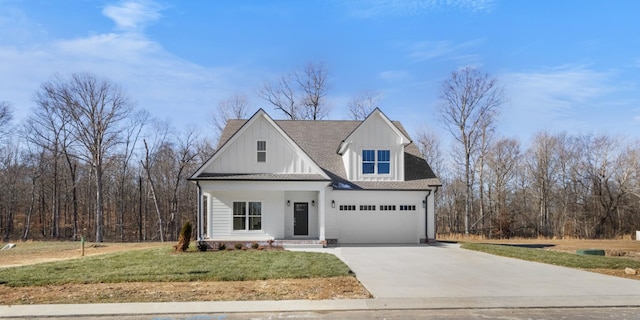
(565, 65)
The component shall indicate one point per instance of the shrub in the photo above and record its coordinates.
(185, 238)
(254, 245)
(222, 246)
(202, 246)
(238, 246)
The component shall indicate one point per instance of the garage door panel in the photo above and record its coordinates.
(378, 227)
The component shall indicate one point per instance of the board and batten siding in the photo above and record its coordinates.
(374, 134)
(282, 156)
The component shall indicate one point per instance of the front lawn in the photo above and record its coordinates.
(162, 265)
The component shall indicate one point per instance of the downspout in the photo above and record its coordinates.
(426, 216)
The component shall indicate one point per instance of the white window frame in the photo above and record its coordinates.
(375, 162)
(262, 151)
(246, 215)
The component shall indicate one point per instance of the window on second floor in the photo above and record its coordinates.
(262, 151)
(376, 161)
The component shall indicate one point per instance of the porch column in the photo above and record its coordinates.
(321, 214)
(199, 217)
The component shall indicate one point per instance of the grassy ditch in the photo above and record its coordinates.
(162, 265)
(554, 257)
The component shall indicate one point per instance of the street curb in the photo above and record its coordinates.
(222, 307)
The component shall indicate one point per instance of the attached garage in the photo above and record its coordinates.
(376, 223)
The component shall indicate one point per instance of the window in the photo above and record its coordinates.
(247, 215)
(262, 151)
(347, 208)
(407, 208)
(368, 161)
(367, 207)
(383, 161)
(376, 162)
(387, 208)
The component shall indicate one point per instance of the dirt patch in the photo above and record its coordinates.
(280, 289)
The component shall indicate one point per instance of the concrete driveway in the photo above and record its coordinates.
(446, 271)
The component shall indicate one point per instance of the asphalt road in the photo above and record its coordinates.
(443, 314)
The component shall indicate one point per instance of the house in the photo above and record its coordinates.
(329, 181)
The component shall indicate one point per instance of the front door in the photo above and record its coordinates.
(301, 219)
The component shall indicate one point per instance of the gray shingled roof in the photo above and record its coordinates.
(320, 140)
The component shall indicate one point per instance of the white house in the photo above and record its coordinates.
(329, 181)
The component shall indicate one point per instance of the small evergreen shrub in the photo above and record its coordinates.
(254, 245)
(222, 246)
(238, 245)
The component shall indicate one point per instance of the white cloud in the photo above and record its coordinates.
(133, 15)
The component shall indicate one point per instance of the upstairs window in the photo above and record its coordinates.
(384, 161)
(262, 151)
(376, 161)
(368, 161)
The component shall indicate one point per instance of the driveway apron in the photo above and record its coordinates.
(446, 270)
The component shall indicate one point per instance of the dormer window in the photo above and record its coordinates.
(376, 161)
(262, 151)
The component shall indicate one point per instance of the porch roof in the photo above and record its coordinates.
(260, 177)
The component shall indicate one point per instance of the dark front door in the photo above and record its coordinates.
(301, 219)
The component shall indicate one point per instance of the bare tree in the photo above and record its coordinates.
(502, 161)
(235, 107)
(470, 101)
(282, 96)
(428, 143)
(313, 84)
(363, 104)
(299, 95)
(96, 108)
(6, 115)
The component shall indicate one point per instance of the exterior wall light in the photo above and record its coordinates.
(333, 203)
(288, 203)
(313, 203)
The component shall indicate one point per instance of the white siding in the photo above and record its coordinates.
(374, 134)
(220, 222)
(241, 155)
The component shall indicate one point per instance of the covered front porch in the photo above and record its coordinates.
(265, 212)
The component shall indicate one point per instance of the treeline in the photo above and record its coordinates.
(85, 163)
(559, 185)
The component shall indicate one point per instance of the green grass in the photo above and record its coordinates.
(555, 257)
(162, 265)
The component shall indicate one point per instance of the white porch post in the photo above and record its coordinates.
(199, 216)
(321, 214)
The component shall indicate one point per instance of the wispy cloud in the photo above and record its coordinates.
(561, 98)
(374, 8)
(156, 79)
(449, 50)
(391, 75)
(133, 15)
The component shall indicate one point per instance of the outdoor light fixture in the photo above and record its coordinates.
(424, 203)
(333, 203)
(288, 203)
(313, 203)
